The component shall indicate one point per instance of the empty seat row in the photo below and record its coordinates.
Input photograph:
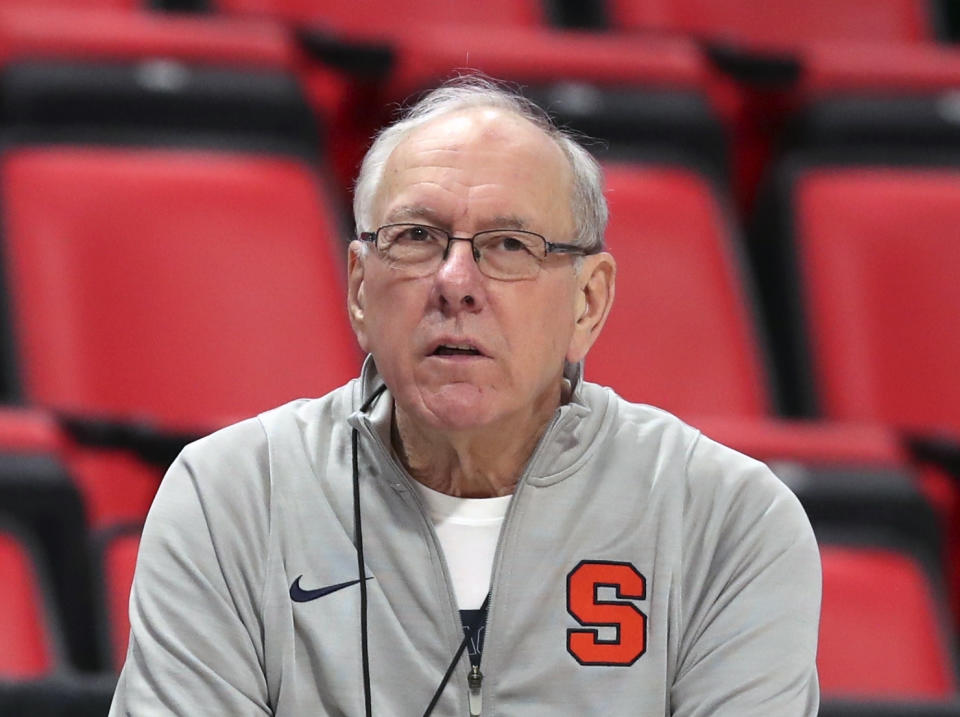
(113, 73)
(784, 21)
(140, 276)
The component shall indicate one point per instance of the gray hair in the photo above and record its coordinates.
(588, 205)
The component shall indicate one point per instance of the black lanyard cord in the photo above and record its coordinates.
(361, 574)
(361, 568)
(456, 658)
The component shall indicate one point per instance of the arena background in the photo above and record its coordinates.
(784, 183)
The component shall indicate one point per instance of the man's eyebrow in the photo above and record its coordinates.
(507, 221)
(407, 212)
(417, 212)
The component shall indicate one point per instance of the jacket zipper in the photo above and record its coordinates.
(474, 685)
(474, 676)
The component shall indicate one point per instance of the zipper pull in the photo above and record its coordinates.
(474, 681)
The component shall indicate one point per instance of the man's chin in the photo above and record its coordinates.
(455, 407)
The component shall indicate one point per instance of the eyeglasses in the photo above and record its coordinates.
(505, 254)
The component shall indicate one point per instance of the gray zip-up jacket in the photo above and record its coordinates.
(642, 569)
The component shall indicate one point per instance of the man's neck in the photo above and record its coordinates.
(483, 463)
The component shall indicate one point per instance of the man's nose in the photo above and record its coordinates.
(459, 278)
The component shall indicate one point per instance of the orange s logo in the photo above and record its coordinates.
(630, 639)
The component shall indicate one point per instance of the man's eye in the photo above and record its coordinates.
(415, 234)
(512, 244)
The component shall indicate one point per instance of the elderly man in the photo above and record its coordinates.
(470, 527)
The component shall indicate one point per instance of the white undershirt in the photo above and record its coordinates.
(468, 529)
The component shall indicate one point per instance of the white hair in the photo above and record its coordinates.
(587, 203)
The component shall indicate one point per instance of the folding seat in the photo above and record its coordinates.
(175, 289)
(875, 98)
(870, 255)
(189, 234)
(632, 95)
(189, 245)
(125, 5)
(857, 99)
(627, 92)
(783, 23)
(383, 16)
(116, 482)
(681, 334)
(859, 266)
(116, 558)
(852, 479)
(28, 626)
(114, 76)
(882, 627)
(37, 489)
(859, 107)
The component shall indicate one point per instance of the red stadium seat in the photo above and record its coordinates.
(69, 32)
(881, 629)
(812, 443)
(391, 17)
(37, 489)
(117, 486)
(66, 33)
(872, 98)
(539, 55)
(852, 478)
(860, 283)
(861, 67)
(181, 289)
(876, 96)
(124, 5)
(149, 77)
(27, 631)
(29, 432)
(118, 558)
(681, 335)
(785, 22)
(878, 256)
(628, 92)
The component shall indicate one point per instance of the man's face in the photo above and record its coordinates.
(467, 172)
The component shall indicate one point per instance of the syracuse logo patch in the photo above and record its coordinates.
(585, 606)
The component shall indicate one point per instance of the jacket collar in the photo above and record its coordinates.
(570, 437)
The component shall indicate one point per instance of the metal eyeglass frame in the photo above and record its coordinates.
(549, 246)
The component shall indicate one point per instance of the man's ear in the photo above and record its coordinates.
(355, 298)
(596, 281)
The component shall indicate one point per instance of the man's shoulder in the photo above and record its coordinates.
(709, 467)
(337, 404)
(243, 450)
(640, 425)
(254, 433)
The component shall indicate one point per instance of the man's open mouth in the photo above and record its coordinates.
(455, 350)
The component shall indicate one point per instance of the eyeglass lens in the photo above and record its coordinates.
(500, 254)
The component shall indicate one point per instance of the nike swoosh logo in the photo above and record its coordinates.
(298, 594)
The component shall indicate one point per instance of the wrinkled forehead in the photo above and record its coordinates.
(483, 164)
